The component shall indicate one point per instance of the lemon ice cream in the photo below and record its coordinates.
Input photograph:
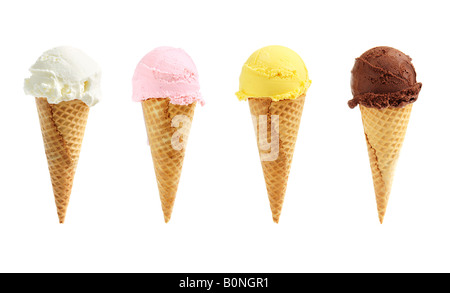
(274, 72)
(274, 80)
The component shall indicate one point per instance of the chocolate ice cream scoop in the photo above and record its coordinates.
(384, 77)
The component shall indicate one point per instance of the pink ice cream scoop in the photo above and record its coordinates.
(167, 72)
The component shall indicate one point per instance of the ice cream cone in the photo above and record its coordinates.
(168, 126)
(62, 127)
(385, 131)
(276, 168)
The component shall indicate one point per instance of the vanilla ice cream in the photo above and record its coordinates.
(65, 74)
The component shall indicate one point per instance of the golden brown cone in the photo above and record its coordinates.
(62, 127)
(167, 160)
(385, 132)
(276, 170)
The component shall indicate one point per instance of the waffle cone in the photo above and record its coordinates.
(168, 138)
(385, 131)
(276, 169)
(62, 127)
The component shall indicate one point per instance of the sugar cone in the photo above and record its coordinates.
(276, 168)
(167, 136)
(385, 132)
(62, 127)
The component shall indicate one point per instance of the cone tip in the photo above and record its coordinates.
(166, 219)
(381, 216)
(62, 219)
(167, 212)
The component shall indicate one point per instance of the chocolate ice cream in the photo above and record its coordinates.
(384, 77)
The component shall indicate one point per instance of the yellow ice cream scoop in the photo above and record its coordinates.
(273, 72)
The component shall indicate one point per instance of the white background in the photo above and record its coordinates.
(222, 221)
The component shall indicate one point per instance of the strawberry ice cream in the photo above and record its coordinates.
(167, 72)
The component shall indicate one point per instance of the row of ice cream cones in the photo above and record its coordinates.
(274, 80)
